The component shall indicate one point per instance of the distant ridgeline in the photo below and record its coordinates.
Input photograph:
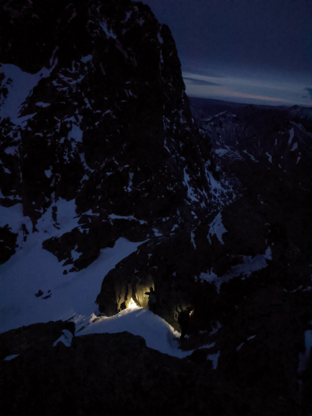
(113, 188)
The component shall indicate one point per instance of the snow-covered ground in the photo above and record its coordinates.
(245, 269)
(71, 296)
(157, 333)
(19, 85)
(32, 269)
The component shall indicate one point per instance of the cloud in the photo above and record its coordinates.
(223, 93)
(192, 81)
(309, 91)
(206, 70)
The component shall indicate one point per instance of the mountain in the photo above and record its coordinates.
(117, 190)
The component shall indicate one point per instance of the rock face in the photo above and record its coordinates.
(99, 145)
(117, 372)
(101, 117)
(268, 151)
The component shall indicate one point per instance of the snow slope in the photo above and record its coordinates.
(32, 269)
(157, 333)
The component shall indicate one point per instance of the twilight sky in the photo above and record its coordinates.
(251, 51)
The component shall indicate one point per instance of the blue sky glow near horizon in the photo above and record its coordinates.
(247, 51)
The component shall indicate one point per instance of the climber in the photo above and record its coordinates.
(184, 321)
(152, 299)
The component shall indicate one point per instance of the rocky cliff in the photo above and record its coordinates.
(109, 188)
(94, 110)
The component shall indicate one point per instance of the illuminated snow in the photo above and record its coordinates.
(132, 304)
(157, 333)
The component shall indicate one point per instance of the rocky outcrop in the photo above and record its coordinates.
(7, 243)
(32, 338)
(269, 154)
(103, 120)
(117, 371)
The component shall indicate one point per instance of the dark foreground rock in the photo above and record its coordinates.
(116, 373)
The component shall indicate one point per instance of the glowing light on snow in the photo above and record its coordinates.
(132, 304)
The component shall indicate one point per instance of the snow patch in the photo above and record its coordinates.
(251, 156)
(32, 268)
(216, 228)
(240, 346)
(190, 191)
(129, 217)
(269, 156)
(193, 239)
(75, 133)
(128, 15)
(295, 146)
(48, 173)
(157, 233)
(209, 277)
(304, 357)
(43, 105)
(19, 85)
(250, 264)
(12, 150)
(221, 152)
(129, 188)
(86, 59)
(11, 357)
(222, 192)
(66, 338)
(214, 358)
(291, 135)
(160, 39)
(158, 334)
(109, 33)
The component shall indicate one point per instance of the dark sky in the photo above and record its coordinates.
(254, 50)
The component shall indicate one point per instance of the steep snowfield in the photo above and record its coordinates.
(19, 85)
(32, 269)
(157, 333)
